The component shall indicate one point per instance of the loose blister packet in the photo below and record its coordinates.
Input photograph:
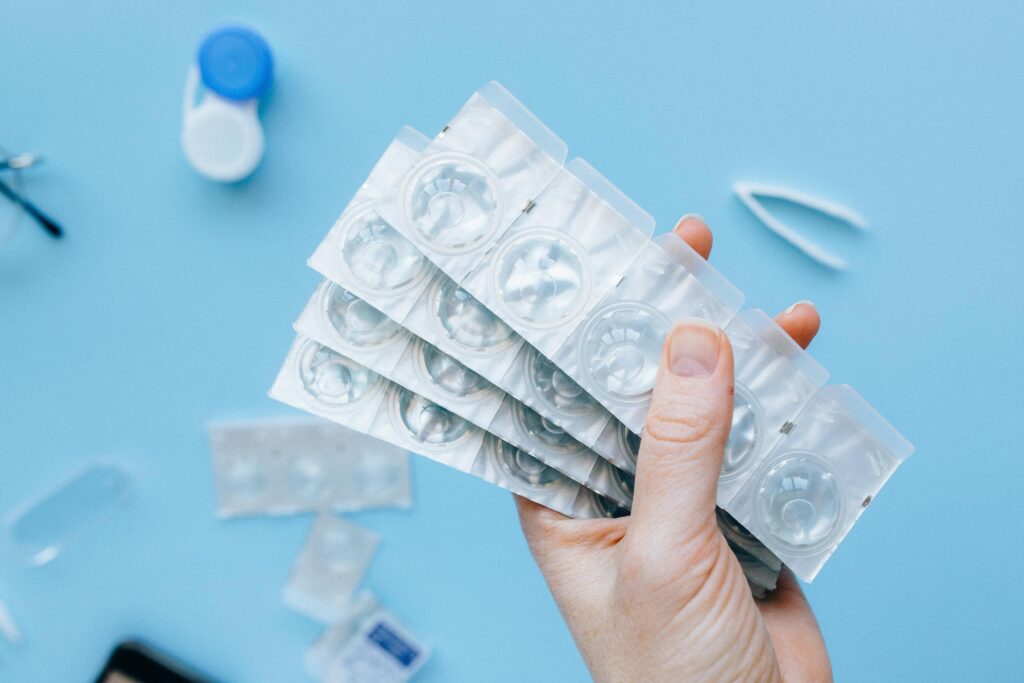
(541, 278)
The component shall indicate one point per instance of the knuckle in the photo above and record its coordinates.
(680, 421)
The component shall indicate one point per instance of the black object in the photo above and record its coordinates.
(47, 223)
(139, 663)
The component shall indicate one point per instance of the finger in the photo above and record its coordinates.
(684, 439)
(696, 233)
(795, 633)
(548, 532)
(801, 321)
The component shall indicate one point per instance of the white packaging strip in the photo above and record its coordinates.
(614, 353)
(329, 568)
(382, 651)
(561, 256)
(282, 466)
(474, 179)
(332, 314)
(774, 380)
(808, 491)
(322, 653)
(359, 254)
(361, 399)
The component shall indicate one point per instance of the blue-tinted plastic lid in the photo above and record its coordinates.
(236, 63)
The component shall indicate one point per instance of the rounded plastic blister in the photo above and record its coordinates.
(525, 468)
(332, 379)
(451, 201)
(556, 388)
(746, 435)
(467, 322)
(244, 480)
(541, 277)
(799, 502)
(447, 373)
(356, 321)
(378, 256)
(308, 478)
(544, 431)
(621, 347)
(629, 443)
(427, 422)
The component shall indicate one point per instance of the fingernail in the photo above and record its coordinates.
(693, 350)
(695, 216)
(793, 307)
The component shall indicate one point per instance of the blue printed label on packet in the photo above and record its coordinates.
(392, 643)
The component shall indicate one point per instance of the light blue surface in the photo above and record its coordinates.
(170, 302)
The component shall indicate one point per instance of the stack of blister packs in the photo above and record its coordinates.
(491, 307)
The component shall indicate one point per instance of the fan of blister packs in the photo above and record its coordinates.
(492, 306)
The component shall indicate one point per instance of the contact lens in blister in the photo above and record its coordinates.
(798, 502)
(745, 436)
(331, 378)
(356, 321)
(544, 430)
(621, 348)
(525, 468)
(629, 443)
(556, 388)
(540, 277)
(244, 480)
(379, 256)
(428, 422)
(452, 202)
(449, 374)
(307, 478)
(467, 322)
(623, 481)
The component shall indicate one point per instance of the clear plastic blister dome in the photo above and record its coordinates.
(775, 379)
(512, 468)
(590, 505)
(612, 483)
(615, 352)
(809, 490)
(559, 259)
(364, 253)
(473, 180)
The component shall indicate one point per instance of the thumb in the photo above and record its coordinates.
(684, 439)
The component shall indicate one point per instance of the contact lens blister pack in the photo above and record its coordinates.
(321, 654)
(614, 353)
(394, 414)
(341, 321)
(381, 650)
(805, 494)
(760, 565)
(774, 380)
(473, 180)
(329, 568)
(286, 466)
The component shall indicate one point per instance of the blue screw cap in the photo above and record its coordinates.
(235, 62)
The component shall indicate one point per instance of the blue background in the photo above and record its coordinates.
(170, 302)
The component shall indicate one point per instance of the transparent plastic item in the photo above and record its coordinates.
(410, 421)
(775, 379)
(473, 180)
(514, 469)
(39, 530)
(382, 651)
(808, 492)
(329, 568)
(321, 654)
(614, 353)
(561, 256)
(282, 466)
(590, 505)
(363, 253)
(619, 446)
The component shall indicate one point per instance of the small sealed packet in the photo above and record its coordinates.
(429, 372)
(775, 379)
(806, 494)
(473, 180)
(282, 466)
(329, 568)
(321, 654)
(382, 651)
(394, 414)
(614, 353)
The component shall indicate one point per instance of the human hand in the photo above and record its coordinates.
(658, 595)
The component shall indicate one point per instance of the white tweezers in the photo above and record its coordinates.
(749, 194)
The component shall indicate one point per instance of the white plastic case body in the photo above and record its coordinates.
(283, 466)
(474, 179)
(341, 321)
(807, 492)
(614, 353)
(774, 380)
(329, 568)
